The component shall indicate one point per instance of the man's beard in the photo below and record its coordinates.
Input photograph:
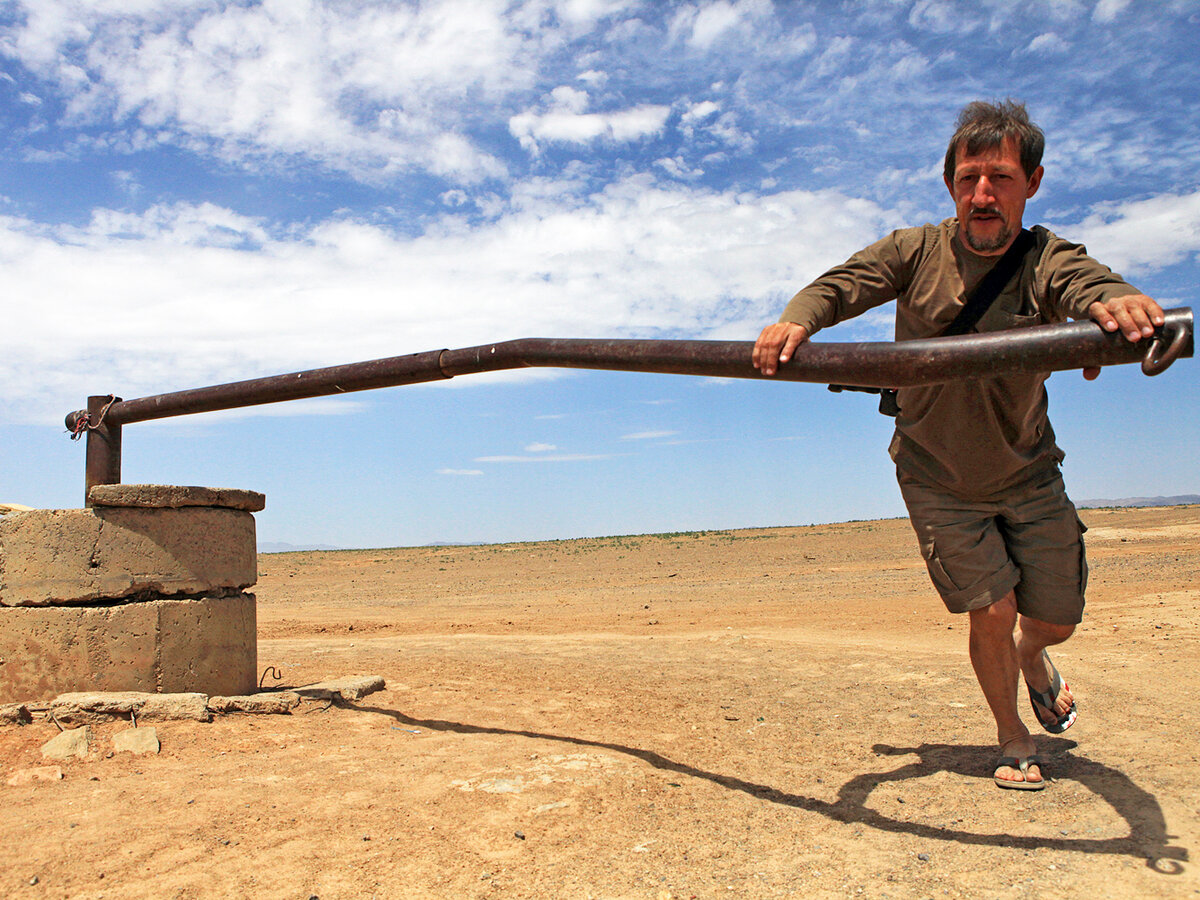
(988, 245)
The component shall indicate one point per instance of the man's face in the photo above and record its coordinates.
(989, 191)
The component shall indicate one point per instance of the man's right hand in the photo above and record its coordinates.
(776, 344)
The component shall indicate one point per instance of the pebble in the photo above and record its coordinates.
(520, 835)
(923, 857)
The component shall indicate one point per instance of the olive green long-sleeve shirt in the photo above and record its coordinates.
(976, 437)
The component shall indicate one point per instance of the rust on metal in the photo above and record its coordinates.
(1046, 348)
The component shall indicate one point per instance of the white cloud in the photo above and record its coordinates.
(365, 86)
(648, 435)
(703, 25)
(588, 12)
(569, 126)
(1108, 10)
(699, 111)
(540, 448)
(463, 472)
(1134, 237)
(1048, 42)
(184, 296)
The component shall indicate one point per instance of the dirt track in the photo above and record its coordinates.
(775, 713)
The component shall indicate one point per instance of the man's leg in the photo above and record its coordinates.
(994, 658)
(1034, 637)
(1045, 539)
(999, 662)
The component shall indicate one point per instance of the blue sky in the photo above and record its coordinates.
(201, 191)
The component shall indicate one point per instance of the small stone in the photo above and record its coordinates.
(14, 714)
(346, 689)
(136, 740)
(65, 744)
(923, 857)
(519, 835)
(33, 880)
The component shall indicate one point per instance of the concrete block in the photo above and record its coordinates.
(210, 647)
(90, 706)
(47, 650)
(162, 496)
(75, 556)
(206, 645)
(270, 702)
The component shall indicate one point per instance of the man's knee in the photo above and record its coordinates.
(1000, 616)
(1045, 633)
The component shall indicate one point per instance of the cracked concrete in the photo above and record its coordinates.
(78, 556)
(145, 590)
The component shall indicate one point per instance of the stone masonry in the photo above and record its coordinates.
(143, 591)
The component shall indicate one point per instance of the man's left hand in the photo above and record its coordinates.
(1135, 315)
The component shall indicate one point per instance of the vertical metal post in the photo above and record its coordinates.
(103, 446)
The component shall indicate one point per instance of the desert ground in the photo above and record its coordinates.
(785, 712)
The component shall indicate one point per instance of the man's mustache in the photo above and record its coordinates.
(986, 211)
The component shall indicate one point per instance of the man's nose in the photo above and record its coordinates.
(983, 195)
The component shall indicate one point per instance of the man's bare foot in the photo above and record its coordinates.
(1019, 749)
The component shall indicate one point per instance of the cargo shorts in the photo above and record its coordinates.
(1030, 542)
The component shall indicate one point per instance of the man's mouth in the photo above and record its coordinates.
(985, 215)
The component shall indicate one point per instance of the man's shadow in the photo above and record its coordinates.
(1147, 839)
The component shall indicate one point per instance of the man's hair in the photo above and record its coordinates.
(985, 126)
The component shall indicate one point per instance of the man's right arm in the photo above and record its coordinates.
(869, 278)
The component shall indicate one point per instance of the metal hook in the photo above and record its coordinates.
(1154, 363)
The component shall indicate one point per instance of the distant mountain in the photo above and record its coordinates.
(281, 547)
(1178, 500)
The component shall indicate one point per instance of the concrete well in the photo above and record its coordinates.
(143, 591)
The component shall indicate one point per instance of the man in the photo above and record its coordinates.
(976, 459)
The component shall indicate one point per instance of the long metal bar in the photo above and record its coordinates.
(1048, 348)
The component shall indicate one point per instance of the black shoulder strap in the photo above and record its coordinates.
(991, 285)
(973, 310)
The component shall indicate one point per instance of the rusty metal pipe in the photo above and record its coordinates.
(1047, 348)
(103, 454)
(362, 376)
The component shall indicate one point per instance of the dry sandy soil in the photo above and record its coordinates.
(771, 713)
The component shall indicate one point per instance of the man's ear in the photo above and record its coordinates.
(1035, 182)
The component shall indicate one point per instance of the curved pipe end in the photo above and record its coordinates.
(1167, 346)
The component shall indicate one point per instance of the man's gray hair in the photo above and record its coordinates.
(985, 126)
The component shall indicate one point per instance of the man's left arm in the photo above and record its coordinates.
(1077, 286)
(1134, 315)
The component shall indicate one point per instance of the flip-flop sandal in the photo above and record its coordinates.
(1046, 699)
(1021, 764)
